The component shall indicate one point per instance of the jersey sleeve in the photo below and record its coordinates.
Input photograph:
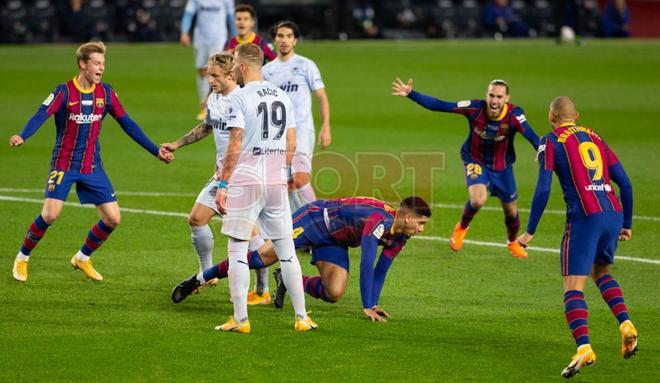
(466, 108)
(290, 114)
(620, 177)
(267, 48)
(314, 80)
(546, 159)
(373, 230)
(51, 104)
(231, 27)
(236, 115)
(382, 266)
(188, 15)
(523, 127)
(130, 127)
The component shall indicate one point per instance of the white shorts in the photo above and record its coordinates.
(305, 138)
(203, 53)
(265, 205)
(301, 163)
(206, 197)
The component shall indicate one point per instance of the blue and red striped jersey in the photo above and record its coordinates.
(489, 142)
(349, 219)
(78, 116)
(582, 160)
(269, 54)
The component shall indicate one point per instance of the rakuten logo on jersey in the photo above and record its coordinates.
(85, 118)
(603, 187)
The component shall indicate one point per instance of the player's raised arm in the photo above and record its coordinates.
(620, 177)
(51, 104)
(525, 128)
(399, 88)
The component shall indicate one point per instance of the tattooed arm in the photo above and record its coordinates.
(197, 133)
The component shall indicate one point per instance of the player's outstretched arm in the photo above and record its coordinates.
(16, 140)
(197, 133)
(399, 88)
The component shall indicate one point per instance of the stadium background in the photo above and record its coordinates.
(473, 316)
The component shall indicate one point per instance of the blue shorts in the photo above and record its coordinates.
(501, 184)
(94, 188)
(310, 232)
(590, 240)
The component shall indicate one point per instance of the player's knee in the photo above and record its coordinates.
(300, 180)
(194, 220)
(112, 220)
(333, 294)
(50, 216)
(478, 202)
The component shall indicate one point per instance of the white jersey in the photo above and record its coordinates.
(211, 21)
(298, 77)
(265, 113)
(216, 117)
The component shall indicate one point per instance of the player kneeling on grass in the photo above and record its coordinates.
(329, 229)
(595, 221)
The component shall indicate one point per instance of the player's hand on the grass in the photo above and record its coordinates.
(525, 239)
(170, 146)
(373, 315)
(325, 138)
(16, 140)
(625, 235)
(185, 39)
(401, 89)
(221, 200)
(165, 155)
(381, 312)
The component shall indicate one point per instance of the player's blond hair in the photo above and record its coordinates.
(500, 82)
(563, 109)
(84, 51)
(250, 54)
(225, 61)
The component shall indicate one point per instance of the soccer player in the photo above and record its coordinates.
(262, 139)
(488, 153)
(213, 25)
(220, 71)
(244, 18)
(79, 107)
(329, 229)
(595, 220)
(299, 77)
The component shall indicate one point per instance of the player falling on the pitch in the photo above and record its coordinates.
(245, 17)
(585, 165)
(329, 229)
(79, 107)
(220, 74)
(488, 153)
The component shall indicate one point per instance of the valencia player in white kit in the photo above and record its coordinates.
(252, 187)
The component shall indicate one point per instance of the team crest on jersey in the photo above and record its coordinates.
(463, 104)
(49, 99)
(51, 187)
(474, 176)
(100, 102)
(378, 231)
(295, 70)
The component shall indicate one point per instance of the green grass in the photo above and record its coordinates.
(479, 315)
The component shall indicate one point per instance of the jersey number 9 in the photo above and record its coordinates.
(592, 159)
(277, 118)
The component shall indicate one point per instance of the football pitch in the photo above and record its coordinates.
(477, 315)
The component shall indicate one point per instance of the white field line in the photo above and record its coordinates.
(437, 205)
(185, 215)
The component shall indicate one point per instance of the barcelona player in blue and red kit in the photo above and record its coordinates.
(595, 221)
(79, 107)
(244, 19)
(488, 153)
(329, 229)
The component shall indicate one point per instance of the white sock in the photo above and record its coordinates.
(239, 276)
(291, 274)
(261, 275)
(22, 257)
(202, 240)
(294, 200)
(82, 257)
(200, 277)
(203, 88)
(306, 193)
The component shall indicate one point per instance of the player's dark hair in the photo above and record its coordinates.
(246, 8)
(416, 205)
(284, 24)
(500, 82)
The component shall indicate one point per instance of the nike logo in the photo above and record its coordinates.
(73, 103)
(112, 195)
